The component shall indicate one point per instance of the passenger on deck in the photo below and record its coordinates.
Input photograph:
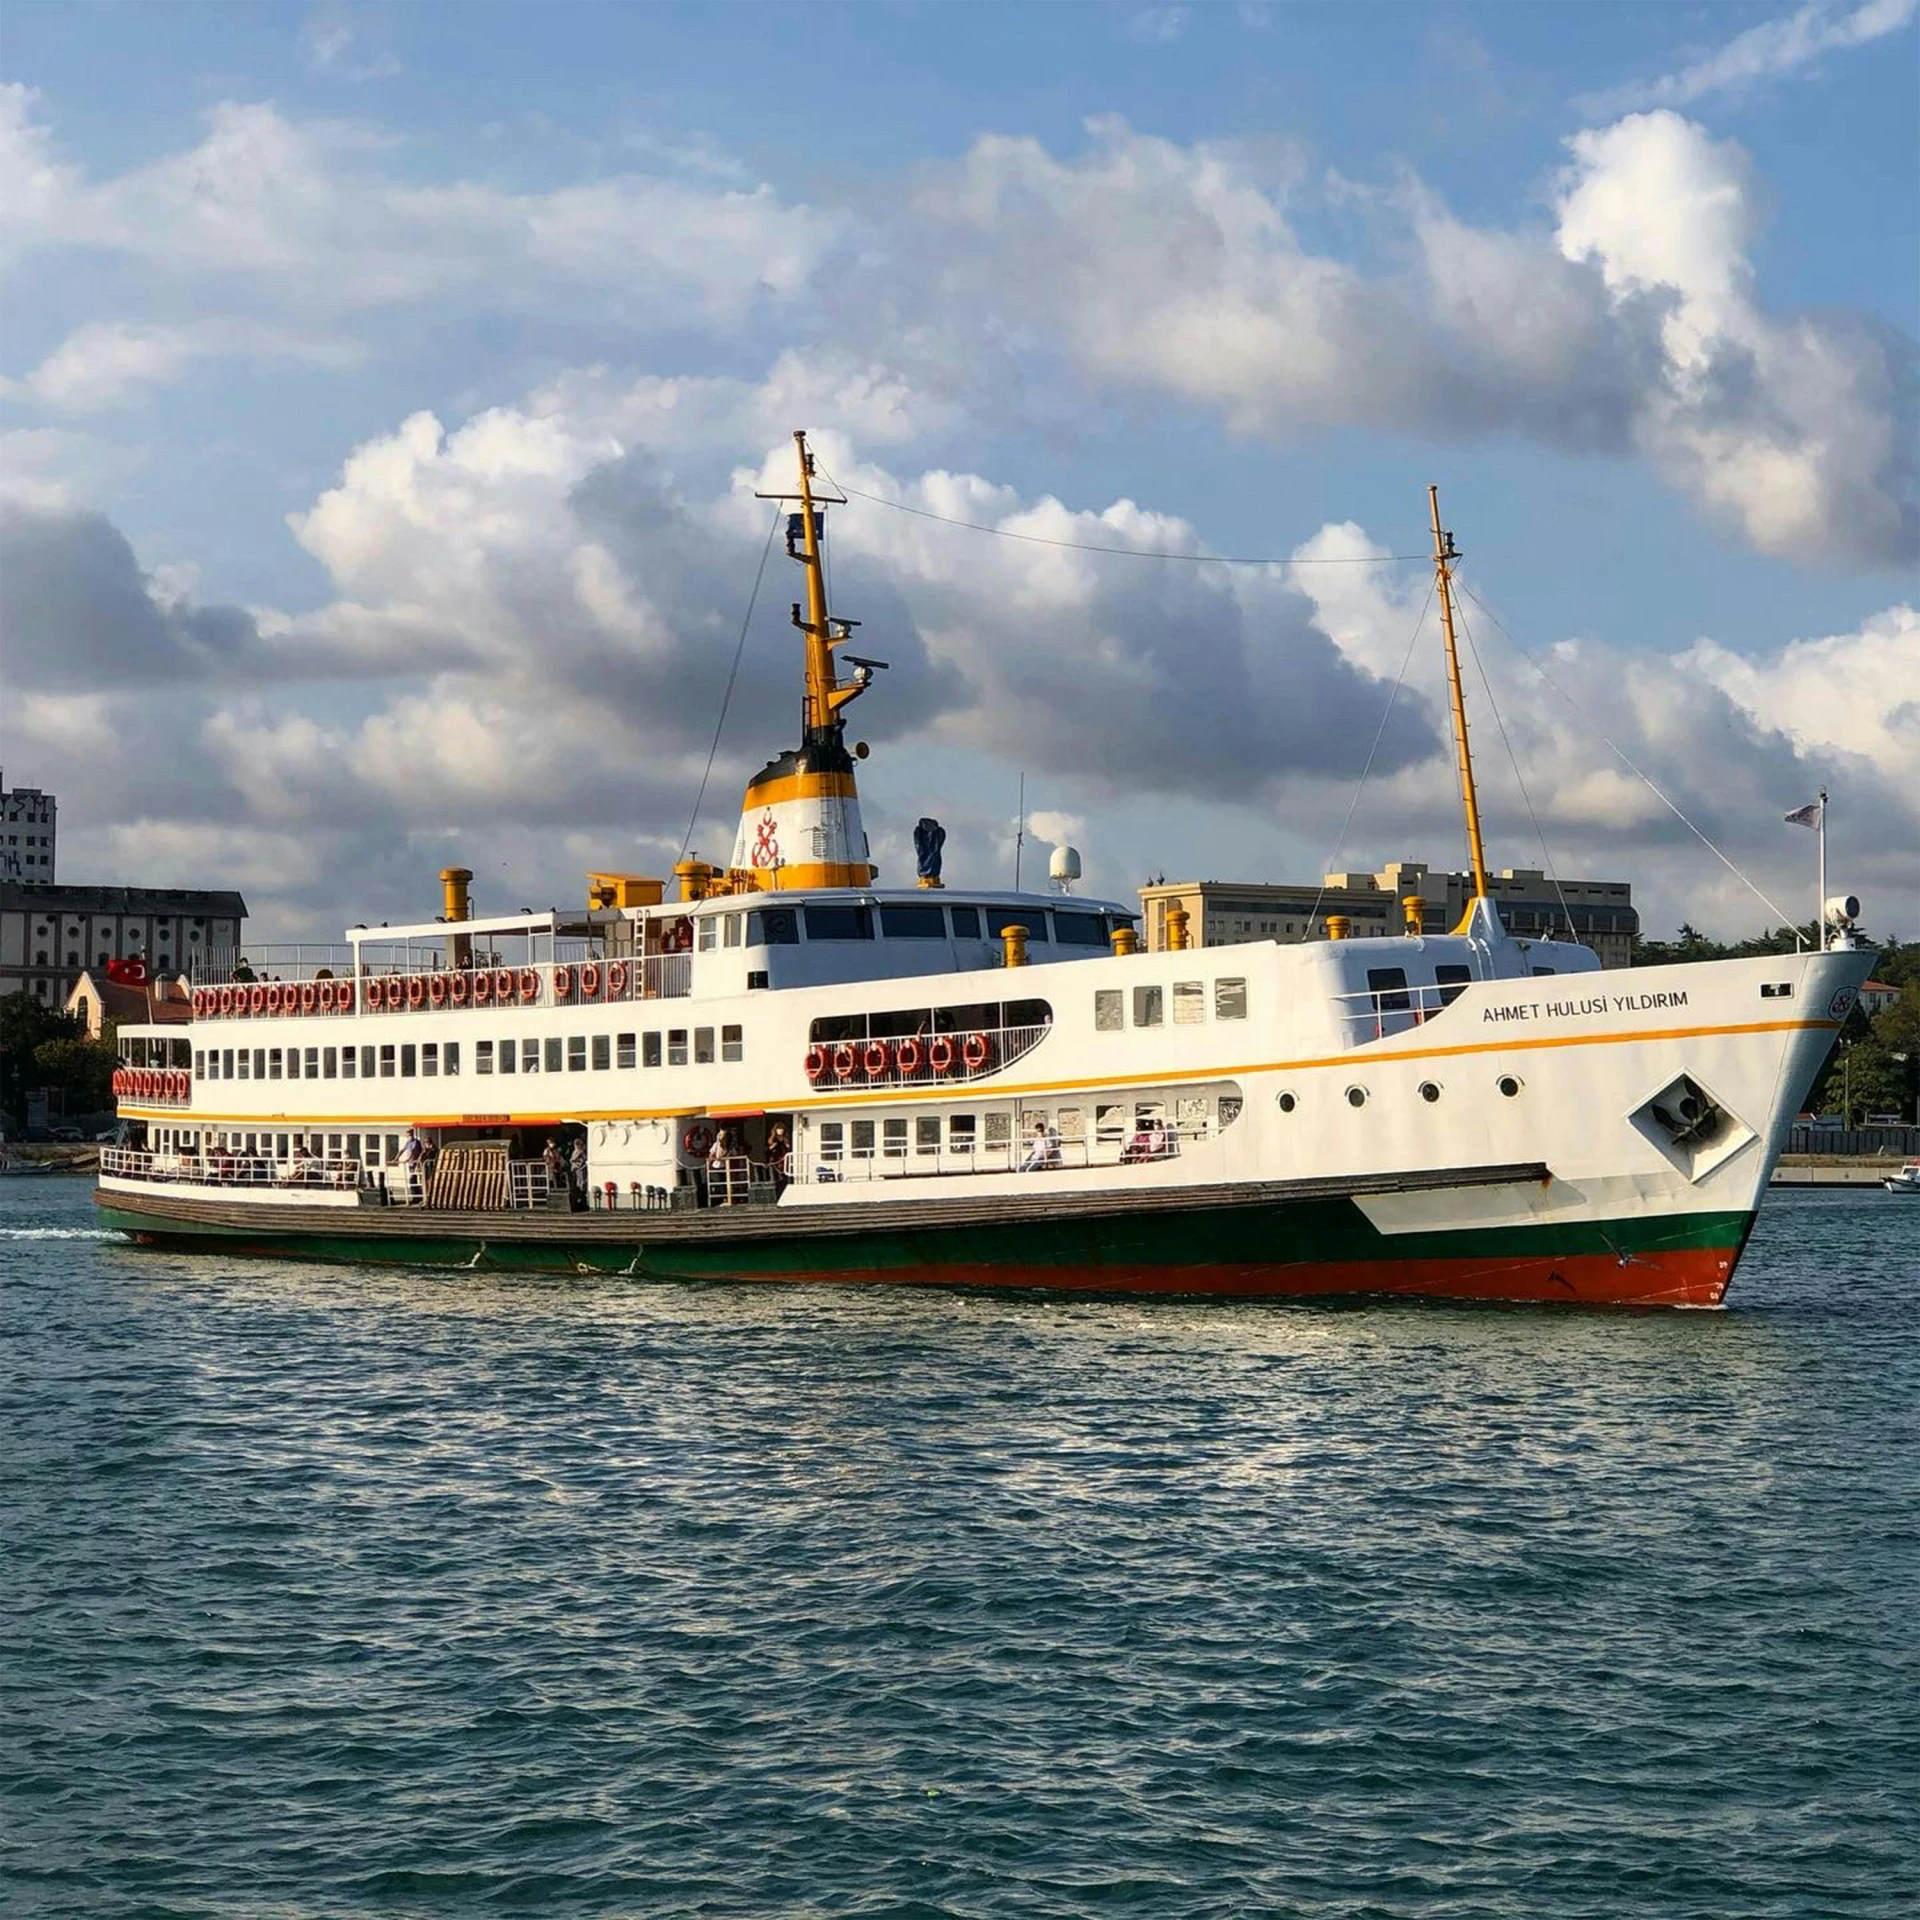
(779, 1157)
(1044, 1152)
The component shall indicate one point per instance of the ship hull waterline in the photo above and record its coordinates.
(1290, 1249)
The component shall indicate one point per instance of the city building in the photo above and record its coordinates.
(159, 1000)
(27, 830)
(1223, 912)
(50, 935)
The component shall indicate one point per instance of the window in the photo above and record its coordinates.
(1000, 918)
(313, 1063)
(1189, 1003)
(330, 1063)
(386, 1062)
(366, 1062)
(409, 1062)
(349, 1061)
(623, 1050)
(602, 1052)
(757, 979)
(707, 933)
(529, 1056)
(649, 1049)
(576, 1053)
(552, 1062)
(773, 927)
(732, 1043)
(703, 1046)
(839, 923)
(893, 1139)
(999, 1129)
(200, 1065)
(1110, 1122)
(1388, 985)
(483, 1056)
(1108, 1010)
(450, 1058)
(833, 1140)
(1230, 999)
(926, 1133)
(863, 1140)
(1452, 981)
(430, 1061)
(736, 926)
(507, 1056)
(273, 1064)
(966, 922)
(961, 1131)
(1147, 1009)
(676, 1046)
(1079, 929)
(911, 920)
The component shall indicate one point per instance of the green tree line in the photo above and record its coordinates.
(45, 1050)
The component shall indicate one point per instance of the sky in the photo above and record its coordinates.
(384, 390)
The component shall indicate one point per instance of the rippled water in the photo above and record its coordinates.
(326, 1591)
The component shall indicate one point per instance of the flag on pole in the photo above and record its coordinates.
(1813, 816)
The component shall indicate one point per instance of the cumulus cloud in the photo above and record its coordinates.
(1769, 51)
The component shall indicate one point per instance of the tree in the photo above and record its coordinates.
(26, 1025)
(79, 1071)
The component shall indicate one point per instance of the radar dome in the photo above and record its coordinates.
(1064, 868)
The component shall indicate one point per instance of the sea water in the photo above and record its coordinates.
(334, 1591)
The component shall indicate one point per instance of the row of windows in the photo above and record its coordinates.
(426, 1062)
(372, 1149)
(1150, 1004)
(919, 920)
(676, 1047)
(985, 1016)
(895, 1136)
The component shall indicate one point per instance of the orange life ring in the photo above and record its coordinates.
(529, 986)
(256, 998)
(416, 992)
(845, 1061)
(482, 987)
(114, 1083)
(563, 983)
(696, 1140)
(179, 1086)
(457, 989)
(437, 989)
(940, 1053)
(503, 984)
(199, 1002)
(323, 996)
(876, 1058)
(816, 1061)
(910, 1056)
(617, 980)
(977, 1051)
(273, 996)
(309, 996)
(226, 1000)
(376, 992)
(589, 980)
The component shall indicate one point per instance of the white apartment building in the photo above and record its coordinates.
(28, 826)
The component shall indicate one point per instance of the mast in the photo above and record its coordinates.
(823, 700)
(1444, 551)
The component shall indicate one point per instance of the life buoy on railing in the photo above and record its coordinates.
(910, 1056)
(562, 983)
(323, 996)
(940, 1053)
(179, 1085)
(503, 984)
(114, 1083)
(309, 996)
(816, 1061)
(482, 987)
(286, 996)
(875, 1058)
(376, 993)
(845, 1061)
(332, 996)
(273, 996)
(696, 1140)
(437, 989)
(977, 1051)
(226, 1000)
(589, 980)
(199, 1001)
(457, 989)
(617, 980)
(256, 998)
(416, 993)
(529, 986)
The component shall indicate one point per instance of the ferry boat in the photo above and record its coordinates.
(781, 1069)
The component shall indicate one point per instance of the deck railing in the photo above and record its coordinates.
(1004, 1045)
(909, 1161)
(218, 1167)
(1384, 1010)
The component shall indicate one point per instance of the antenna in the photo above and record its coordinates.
(1019, 833)
(1444, 551)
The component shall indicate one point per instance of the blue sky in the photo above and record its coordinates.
(1637, 286)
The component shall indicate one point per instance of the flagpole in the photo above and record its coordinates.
(1820, 911)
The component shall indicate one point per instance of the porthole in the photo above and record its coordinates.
(1356, 1096)
(1429, 1091)
(1508, 1085)
(1285, 1102)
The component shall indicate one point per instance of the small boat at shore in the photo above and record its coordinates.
(1907, 1180)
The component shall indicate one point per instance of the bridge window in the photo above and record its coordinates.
(839, 923)
(1079, 929)
(773, 927)
(1452, 981)
(1388, 985)
(1002, 918)
(913, 920)
(966, 922)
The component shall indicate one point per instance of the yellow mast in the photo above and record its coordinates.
(823, 699)
(1444, 551)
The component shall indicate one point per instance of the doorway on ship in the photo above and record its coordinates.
(765, 1142)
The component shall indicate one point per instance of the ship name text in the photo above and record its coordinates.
(1580, 1009)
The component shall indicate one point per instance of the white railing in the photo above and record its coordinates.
(1137, 1146)
(613, 982)
(219, 1167)
(1004, 1045)
(1381, 1011)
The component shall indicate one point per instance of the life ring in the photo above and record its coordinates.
(816, 1062)
(226, 1000)
(199, 1002)
(845, 1061)
(977, 1051)
(910, 1056)
(256, 998)
(457, 989)
(589, 980)
(323, 996)
(309, 996)
(482, 987)
(114, 1083)
(617, 980)
(437, 989)
(696, 1140)
(940, 1053)
(273, 996)
(376, 993)
(179, 1087)
(563, 983)
(416, 992)
(281, 998)
(503, 984)
(875, 1058)
(529, 986)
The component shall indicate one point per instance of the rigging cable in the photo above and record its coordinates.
(1379, 734)
(733, 674)
(1627, 761)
